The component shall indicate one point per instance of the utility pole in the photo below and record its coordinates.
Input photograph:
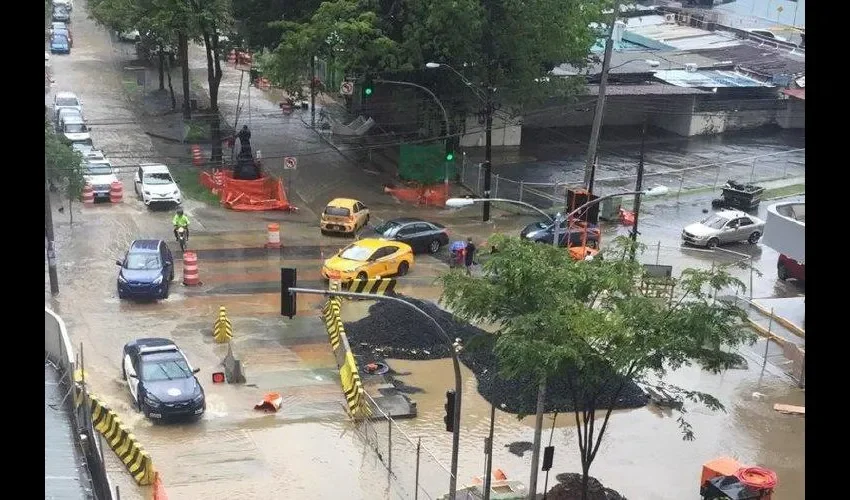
(488, 452)
(313, 92)
(488, 151)
(638, 188)
(48, 233)
(600, 100)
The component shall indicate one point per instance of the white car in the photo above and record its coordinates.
(66, 3)
(129, 36)
(100, 175)
(88, 151)
(725, 226)
(155, 185)
(66, 100)
(75, 129)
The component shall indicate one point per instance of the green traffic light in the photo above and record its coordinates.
(450, 156)
(368, 91)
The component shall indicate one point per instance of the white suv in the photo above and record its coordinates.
(155, 185)
(100, 175)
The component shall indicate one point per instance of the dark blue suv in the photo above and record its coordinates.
(146, 271)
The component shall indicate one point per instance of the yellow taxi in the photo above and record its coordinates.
(344, 215)
(368, 259)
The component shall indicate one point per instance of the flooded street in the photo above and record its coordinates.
(310, 448)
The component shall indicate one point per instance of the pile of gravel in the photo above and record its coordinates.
(395, 331)
(569, 488)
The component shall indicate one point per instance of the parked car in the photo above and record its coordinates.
(788, 268)
(59, 44)
(129, 36)
(161, 381)
(369, 258)
(61, 13)
(155, 185)
(725, 226)
(544, 232)
(146, 271)
(88, 152)
(422, 236)
(65, 99)
(65, 3)
(100, 175)
(344, 215)
(65, 32)
(75, 130)
(66, 113)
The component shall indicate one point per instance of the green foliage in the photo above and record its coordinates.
(259, 19)
(588, 319)
(63, 164)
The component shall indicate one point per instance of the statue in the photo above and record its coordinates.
(244, 136)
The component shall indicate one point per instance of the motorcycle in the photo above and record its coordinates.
(182, 238)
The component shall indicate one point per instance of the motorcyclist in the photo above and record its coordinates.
(181, 220)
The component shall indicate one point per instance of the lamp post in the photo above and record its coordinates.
(486, 99)
(454, 347)
(442, 108)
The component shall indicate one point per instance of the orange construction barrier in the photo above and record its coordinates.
(265, 193)
(244, 59)
(116, 192)
(159, 492)
(190, 269)
(197, 157)
(434, 195)
(273, 235)
(722, 466)
(627, 218)
(271, 402)
(88, 195)
(262, 83)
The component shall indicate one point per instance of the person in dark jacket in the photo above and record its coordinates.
(469, 255)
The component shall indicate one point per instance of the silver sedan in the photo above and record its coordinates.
(727, 226)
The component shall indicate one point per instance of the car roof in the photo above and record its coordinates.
(63, 23)
(406, 220)
(74, 119)
(732, 214)
(143, 246)
(376, 243)
(66, 95)
(154, 168)
(342, 202)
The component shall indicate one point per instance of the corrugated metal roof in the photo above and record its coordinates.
(66, 476)
(798, 93)
(684, 37)
(763, 59)
(647, 89)
(636, 62)
(707, 79)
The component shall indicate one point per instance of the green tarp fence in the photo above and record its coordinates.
(424, 163)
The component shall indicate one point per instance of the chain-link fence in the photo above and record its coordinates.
(612, 178)
(414, 470)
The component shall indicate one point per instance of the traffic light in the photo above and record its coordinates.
(368, 87)
(288, 279)
(449, 419)
(450, 150)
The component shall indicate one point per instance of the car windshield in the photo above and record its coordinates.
(164, 369)
(67, 102)
(75, 128)
(143, 261)
(715, 222)
(337, 211)
(161, 178)
(92, 169)
(388, 228)
(58, 38)
(357, 253)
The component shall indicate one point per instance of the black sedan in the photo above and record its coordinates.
(421, 235)
(544, 232)
(161, 381)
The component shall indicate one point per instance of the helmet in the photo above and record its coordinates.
(179, 211)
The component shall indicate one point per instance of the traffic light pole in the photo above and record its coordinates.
(453, 349)
(488, 152)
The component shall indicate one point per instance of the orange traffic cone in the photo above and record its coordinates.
(271, 402)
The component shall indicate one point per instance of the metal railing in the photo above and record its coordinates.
(611, 178)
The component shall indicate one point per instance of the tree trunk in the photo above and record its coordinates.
(538, 429)
(171, 87)
(585, 480)
(214, 75)
(183, 50)
(161, 68)
(71, 208)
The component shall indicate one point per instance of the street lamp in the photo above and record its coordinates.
(445, 117)
(487, 100)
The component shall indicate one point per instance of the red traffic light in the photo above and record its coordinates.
(218, 377)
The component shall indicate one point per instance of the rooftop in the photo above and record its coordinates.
(707, 79)
(654, 28)
(645, 89)
(762, 58)
(66, 475)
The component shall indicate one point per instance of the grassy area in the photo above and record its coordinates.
(196, 131)
(189, 181)
(782, 192)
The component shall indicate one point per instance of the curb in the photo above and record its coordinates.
(796, 330)
(167, 139)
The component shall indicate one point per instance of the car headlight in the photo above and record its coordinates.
(198, 398)
(148, 193)
(176, 192)
(122, 279)
(151, 401)
(158, 280)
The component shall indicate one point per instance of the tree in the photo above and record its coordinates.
(587, 321)
(258, 20)
(63, 165)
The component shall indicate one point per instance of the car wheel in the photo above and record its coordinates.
(403, 268)
(782, 272)
(171, 276)
(324, 233)
(754, 238)
(713, 242)
(366, 222)
(165, 291)
(123, 371)
(434, 246)
(362, 276)
(121, 296)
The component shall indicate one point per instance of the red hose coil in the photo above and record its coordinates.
(757, 477)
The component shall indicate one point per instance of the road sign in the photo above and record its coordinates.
(290, 163)
(347, 88)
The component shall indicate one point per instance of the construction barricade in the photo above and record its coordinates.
(122, 442)
(355, 396)
(191, 277)
(433, 195)
(88, 195)
(222, 328)
(263, 194)
(273, 236)
(116, 192)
